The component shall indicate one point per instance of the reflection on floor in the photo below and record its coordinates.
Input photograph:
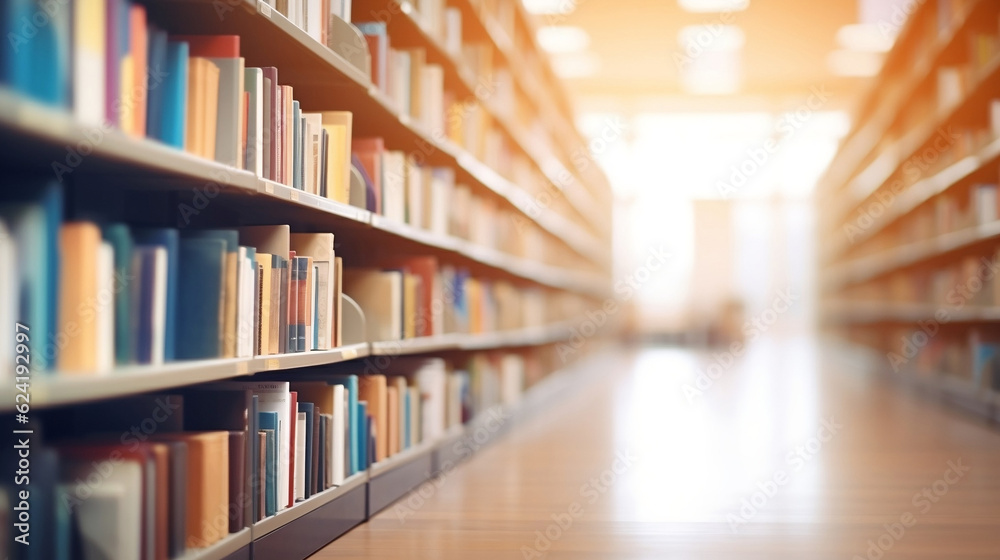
(790, 451)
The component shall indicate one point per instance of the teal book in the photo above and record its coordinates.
(172, 118)
(268, 423)
(155, 83)
(168, 238)
(33, 212)
(200, 282)
(29, 47)
(121, 240)
(355, 432)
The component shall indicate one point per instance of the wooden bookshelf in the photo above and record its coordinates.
(908, 229)
(532, 180)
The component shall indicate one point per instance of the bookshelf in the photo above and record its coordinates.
(519, 247)
(909, 220)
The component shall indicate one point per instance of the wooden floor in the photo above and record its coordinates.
(792, 452)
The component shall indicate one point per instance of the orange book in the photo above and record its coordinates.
(392, 419)
(79, 244)
(372, 388)
(137, 89)
(211, 46)
(211, 100)
(207, 485)
(193, 141)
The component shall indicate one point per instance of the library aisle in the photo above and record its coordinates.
(794, 451)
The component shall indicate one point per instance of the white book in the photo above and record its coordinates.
(432, 99)
(394, 185)
(414, 193)
(110, 519)
(338, 463)
(105, 316)
(300, 457)
(442, 185)
(253, 84)
(453, 412)
(416, 430)
(227, 122)
(453, 31)
(345, 10)
(431, 380)
(89, 45)
(314, 19)
(8, 301)
(311, 340)
(159, 305)
(511, 379)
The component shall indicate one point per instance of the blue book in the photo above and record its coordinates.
(201, 283)
(268, 422)
(29, 47)
(255, 475)
(297, 131)
(144, 281)
(120, 238)
(173, 116)
(168, 238)
(365, 447)
(350, 383)
(310, 410)
(155, 84)
(33, 212)
(377, 29)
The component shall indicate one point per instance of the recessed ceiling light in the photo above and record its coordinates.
(863, 37)
(717, 6)
(549, 7)
(854, 63)
(563, 39)
(699, 38)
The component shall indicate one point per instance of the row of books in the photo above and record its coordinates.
(100, 296)
(972, 357)
(108, 482)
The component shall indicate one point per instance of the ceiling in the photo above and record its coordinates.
(638, 54)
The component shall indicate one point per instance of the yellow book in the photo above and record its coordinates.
(338, 309)
(411, 294)
(229, 305)
(194, 138)
(79, 247)
(338, 126)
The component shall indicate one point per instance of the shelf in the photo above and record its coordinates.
(411, 27)
(868, 268)
(49, 390)
(393, 477)
(299, 531)
(533, 336)
(861, 142)
(874, 313)
(883, 170)
(235, 546)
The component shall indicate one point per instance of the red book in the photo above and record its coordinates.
(136, 94)
(211, 46)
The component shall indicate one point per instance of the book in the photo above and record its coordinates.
(79, 245)
(172, 119)
(271, 454)
(200, 314)
(353, 424)
(373, 390)
(309, 410)
(149, 295)
(338, 126)
(319, 247)
(224, 52)
(253, 85)
(32, 46)
(380, 295)
(377, 36)
(169, 239)
(392, 421)
(89, 43)
(300, 459)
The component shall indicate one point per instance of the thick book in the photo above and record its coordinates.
(229, 291)
(380, 295)
(201, 309)
(353, 420)
(173, 115)
(224, 52)
(149, 295)
(169, 239)
(338, 126)
(373, 390)
(79, 244)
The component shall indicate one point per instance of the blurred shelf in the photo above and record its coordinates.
(873, 313)
(57, 389)
(859, 143)
(393, 477)
(533, 336)
(235, 546)
(299, 531)
(868, 268)
(300, 509)
(869, 181)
